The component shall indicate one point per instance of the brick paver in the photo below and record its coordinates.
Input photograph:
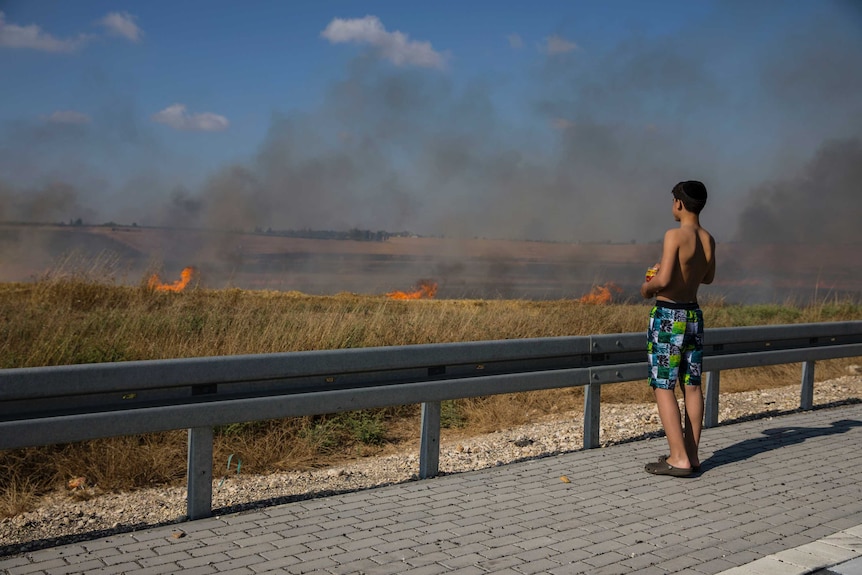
(770, 489)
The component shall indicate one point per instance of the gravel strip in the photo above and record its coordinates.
(84, 514)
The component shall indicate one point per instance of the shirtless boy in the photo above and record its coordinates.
(675, 335)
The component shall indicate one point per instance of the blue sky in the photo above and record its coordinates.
(566, 121)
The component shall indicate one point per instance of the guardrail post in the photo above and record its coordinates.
(199, 500)
(592, 414)
(806, 400)
(429, 445)
(710, 414)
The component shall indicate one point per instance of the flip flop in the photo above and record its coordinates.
(665, 468)
(694, 468)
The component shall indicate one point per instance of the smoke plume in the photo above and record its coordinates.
(820, 204)
(587, 151)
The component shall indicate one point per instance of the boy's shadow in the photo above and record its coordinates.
(774, 439)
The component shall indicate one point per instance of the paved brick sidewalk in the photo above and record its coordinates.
(767, 486)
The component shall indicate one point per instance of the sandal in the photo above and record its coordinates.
(664, 468)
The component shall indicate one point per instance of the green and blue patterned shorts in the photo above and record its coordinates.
(675, 344)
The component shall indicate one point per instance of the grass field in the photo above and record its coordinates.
(72, 319)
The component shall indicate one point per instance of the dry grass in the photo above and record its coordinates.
(72, 318)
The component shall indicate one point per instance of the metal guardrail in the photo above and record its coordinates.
(62, 404)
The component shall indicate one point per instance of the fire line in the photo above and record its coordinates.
(186, 276)
(601, 294)
(425, 289)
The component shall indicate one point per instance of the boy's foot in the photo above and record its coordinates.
(664, 468)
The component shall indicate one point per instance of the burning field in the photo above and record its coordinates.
(453, 269)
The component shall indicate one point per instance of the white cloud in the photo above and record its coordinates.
(68, 117)
(32, 37)
(178, 118)
(559, 45)
(515, 41)
(122, 24)
(394, 46)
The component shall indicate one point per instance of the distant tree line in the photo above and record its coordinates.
(355, 234)
(352, 234)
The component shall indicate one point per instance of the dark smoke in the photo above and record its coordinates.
(820, 204)
(49, 203)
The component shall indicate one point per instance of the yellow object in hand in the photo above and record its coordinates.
(651, 272)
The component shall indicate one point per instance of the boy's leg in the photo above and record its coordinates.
(668, 412)
(690, 378)
(693, 421)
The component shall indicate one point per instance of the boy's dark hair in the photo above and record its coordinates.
(692, 194)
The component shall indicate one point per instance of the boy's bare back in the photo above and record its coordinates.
(690, 250)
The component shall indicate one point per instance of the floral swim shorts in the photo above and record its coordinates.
(675, 344)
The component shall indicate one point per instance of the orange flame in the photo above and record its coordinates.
(424, 289)
(602, 294)
(185, 277)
